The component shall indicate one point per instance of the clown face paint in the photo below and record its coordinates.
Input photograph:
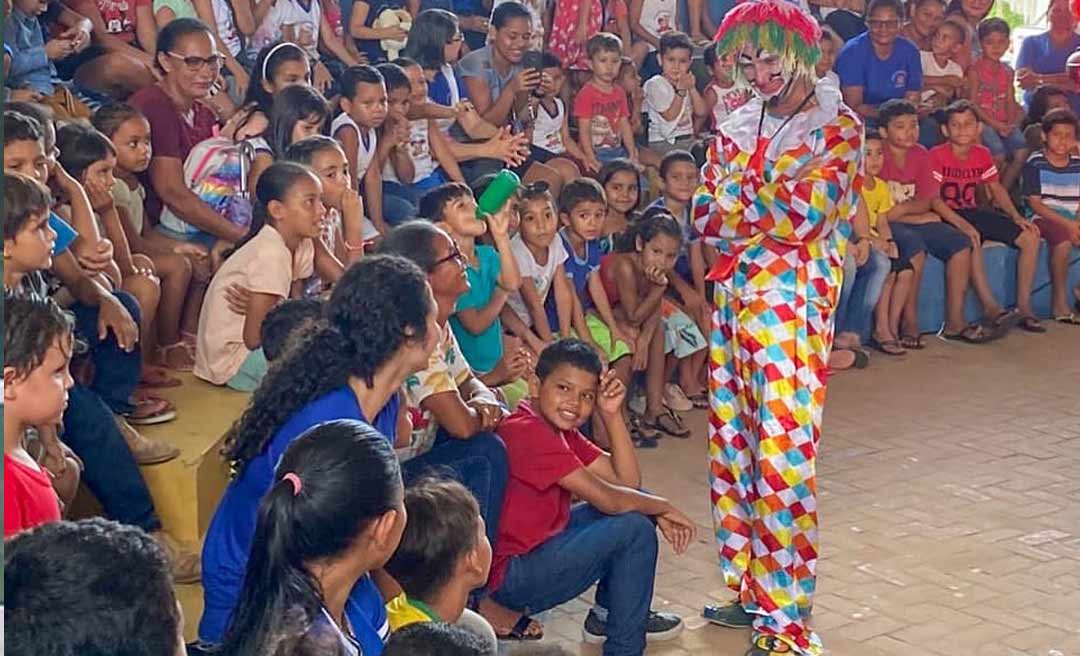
(764, 71)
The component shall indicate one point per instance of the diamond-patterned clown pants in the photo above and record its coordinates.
(769, 352)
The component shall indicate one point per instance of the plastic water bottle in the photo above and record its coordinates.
(497, 193)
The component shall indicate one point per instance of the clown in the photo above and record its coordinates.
(778, 194)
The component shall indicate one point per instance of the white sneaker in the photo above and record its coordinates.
(675, 399)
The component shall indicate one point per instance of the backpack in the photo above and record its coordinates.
(216, 170)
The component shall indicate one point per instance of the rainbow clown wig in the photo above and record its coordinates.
(779, 27)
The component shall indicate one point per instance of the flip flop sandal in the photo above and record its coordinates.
(1031, 325)
(520, 631)
(1071, 319)
(912, 342)
(888, 347)
(1007, 319)
(976, 333)
(157, 378)
(643, 438)
(163, 355)
(668, 423)
(700, 401)
(150, 411)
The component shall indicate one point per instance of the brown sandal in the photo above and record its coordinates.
(669, 423)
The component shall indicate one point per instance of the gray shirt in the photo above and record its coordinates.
(478, 64)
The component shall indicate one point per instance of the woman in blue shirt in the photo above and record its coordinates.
(381, 329)
(879, 64)
(1042, 56)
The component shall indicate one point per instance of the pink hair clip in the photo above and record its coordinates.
(296, 484)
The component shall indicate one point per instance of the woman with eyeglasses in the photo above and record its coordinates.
(189, 64)
(879, 64)
(380, 329)
(454, 414)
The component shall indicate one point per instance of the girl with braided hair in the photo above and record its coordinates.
(780, 183)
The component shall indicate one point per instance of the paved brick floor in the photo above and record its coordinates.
(950, 509)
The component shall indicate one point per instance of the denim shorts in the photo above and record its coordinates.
(1006, 145)
(202, 238)
(939, 239)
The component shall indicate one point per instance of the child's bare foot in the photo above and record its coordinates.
(178, 357)
(509, 624)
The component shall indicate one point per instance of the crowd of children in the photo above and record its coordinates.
(282, 198)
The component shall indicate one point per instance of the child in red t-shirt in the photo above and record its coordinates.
(601, 108)
(37, 348)
(960, 167)
(548, 552)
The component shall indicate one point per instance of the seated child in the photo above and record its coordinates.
(991, 87)
(621, 179)
(298, 111)
(493, 277)
(638, 282)
(279, 251)
(435, 639)
(611, 538)
(416, 158)
(363, 111)
(672, 98)
(722, 96)
(289, 324)
(878, 202)
(961, 166)
(183, 267)
(582, 210)
(1045, 98)
(830, 45)
(90, 158)
(1052, 189)
(443, 556)
(540, 257)
(601, 108)
(943, 79)
(34, 53)
(551, 139)
(918, 228)
(38, 342)
(106, 583)
(343, 234)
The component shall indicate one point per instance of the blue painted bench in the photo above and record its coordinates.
(1001, 270)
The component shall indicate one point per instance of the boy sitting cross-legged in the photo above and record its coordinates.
(549, 552)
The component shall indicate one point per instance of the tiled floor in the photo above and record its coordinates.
(950, 509)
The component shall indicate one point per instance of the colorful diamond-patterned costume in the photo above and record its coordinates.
(778, 209)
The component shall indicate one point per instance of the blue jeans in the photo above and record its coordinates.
(116, 371)
(110, 470)
(618, 551)
(860, 293)
(400, 202)
(479, 463)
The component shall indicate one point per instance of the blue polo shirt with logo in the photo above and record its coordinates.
(881, 79)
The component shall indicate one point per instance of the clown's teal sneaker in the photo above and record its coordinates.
(730, 615)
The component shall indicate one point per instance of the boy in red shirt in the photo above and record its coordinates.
(960, 166)
(548, 552)
(601, 108)
(37, 348)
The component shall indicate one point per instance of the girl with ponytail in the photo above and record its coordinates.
(380, 329)
(278, 250)
(334, 513)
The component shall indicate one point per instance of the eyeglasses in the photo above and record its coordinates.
(534, 188)
(883, 24)
(195, 64)
(455, 254)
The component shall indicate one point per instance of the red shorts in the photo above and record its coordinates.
(1054, 233)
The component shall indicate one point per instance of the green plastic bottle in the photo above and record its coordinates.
(497, 193)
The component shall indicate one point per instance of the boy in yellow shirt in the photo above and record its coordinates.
(444, 555)
(878, 202)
